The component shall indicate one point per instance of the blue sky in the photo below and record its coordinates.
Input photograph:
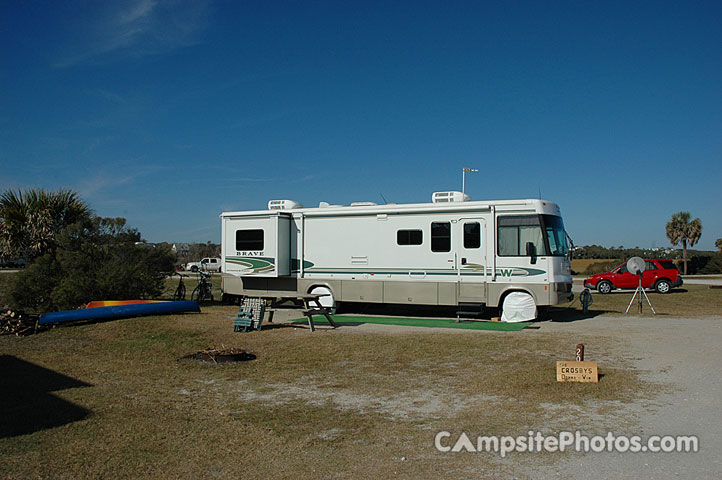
(169, 112)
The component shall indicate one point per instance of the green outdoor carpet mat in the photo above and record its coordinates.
(419, 322)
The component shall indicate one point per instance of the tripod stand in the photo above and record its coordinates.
(641, 292)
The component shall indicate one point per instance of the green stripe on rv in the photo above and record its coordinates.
(256, 263)
(502, 272)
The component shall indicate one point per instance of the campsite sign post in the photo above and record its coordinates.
(578, 370)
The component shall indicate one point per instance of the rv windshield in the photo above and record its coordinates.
(556, 236)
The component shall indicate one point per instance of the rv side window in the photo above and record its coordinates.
(514, 232)
(249, 240)
(409, 237)
(441, 237)
(472, 235)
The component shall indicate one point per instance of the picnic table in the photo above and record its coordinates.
(253, 317)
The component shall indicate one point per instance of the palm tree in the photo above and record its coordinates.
(680, 229)
(30, 220)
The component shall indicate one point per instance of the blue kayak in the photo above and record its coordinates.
(120, 311)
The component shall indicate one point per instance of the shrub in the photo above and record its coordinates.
(714, 265)
(95, 260)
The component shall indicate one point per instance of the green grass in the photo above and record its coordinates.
(333, 403)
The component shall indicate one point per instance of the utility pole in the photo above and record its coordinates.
(464, 171)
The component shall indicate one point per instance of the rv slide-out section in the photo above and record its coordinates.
(447, 252)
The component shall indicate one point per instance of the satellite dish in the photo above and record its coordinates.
(635, 265)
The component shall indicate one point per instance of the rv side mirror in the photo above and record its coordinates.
(531, 251)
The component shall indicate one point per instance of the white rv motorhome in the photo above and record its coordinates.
(452, 251)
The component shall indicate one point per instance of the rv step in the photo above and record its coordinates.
(469, 310)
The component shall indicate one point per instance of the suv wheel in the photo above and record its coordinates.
(194, 269)
(663, 286)
(604, 287)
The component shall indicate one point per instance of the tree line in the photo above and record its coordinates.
(74, 256)
(681, 230)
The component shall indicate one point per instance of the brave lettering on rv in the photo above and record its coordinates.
(249, 253)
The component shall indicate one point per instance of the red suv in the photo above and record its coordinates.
(662, 275)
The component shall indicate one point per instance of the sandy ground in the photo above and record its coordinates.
(682, 354)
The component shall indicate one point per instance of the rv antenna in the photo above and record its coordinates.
(464, 171)
(384, 198)
(539, 193)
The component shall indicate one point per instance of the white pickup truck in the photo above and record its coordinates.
(206, 265)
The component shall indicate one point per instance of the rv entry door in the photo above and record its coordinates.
(470, 250)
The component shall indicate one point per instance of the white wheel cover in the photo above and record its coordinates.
(327, 301)
(518, 307)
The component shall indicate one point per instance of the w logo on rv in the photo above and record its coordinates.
(504, 272)
(518, 272)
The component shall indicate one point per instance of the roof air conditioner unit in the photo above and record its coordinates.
(283, 205)
(448, 197)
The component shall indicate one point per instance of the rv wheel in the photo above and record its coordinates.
(518, 307)
(327, 300)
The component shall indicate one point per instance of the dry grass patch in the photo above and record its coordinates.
(687, 301)
(581, 265)
(327, 404)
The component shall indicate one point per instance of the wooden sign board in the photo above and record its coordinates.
(577, 372)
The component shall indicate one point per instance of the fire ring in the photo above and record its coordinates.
(221, 356)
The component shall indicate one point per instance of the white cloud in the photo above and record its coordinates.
(133, 29)
(101, 182)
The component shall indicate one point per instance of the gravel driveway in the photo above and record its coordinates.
(684, 354)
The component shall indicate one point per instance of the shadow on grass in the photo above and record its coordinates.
(323, 324)
(403, 310)
(26, 404)
(274, 325)
(569, 314)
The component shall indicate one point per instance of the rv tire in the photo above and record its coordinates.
(506, 296)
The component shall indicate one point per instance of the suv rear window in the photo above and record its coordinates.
(668, 264)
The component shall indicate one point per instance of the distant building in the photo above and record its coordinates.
(181, 248)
